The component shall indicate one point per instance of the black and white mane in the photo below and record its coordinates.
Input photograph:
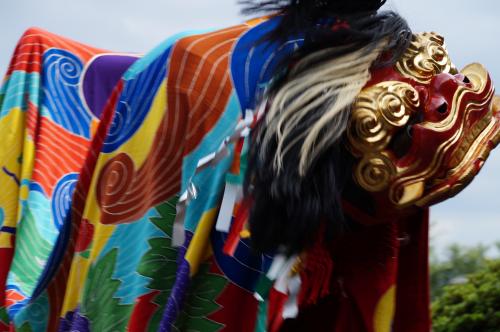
(298, 166)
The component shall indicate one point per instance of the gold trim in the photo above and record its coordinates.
(375, 171)
(378, 113)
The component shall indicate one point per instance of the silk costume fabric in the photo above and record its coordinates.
(93, 169)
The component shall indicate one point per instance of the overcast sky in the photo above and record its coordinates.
(471, 29)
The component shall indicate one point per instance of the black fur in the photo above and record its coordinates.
(310, 18)
(300, 15)
(289, 210)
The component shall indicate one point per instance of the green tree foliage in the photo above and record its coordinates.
(473, 306)
(459, 261)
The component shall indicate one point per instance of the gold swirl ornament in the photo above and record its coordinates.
(425, 57)
(379, 112)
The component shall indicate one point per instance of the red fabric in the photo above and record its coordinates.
(6, 255)
(237, 316)
(143, 312)
(277, 302)
(236, 165)
(333, 313)
(316, 275)
(413, 292)
(368, 261)
(237, 226)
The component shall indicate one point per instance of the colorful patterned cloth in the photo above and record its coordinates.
(159, 159)
(50, 104)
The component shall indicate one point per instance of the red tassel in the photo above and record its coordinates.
(242, 211)
(341, 25)
(277, 302)
(236, 165)
(316, 273)
(237, 226)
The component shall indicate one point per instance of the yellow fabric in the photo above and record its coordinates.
(385, 310)
(200, 242)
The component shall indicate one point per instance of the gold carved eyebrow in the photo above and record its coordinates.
(425, 57)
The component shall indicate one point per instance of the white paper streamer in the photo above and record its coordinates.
(178, 233)
(281, 284)
(241, 130)
(226, 210)
(291, 307)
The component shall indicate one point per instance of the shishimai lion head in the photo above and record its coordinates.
(421, 130)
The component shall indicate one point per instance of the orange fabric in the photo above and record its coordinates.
(49, 165)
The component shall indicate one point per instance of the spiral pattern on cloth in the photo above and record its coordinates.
(62, 198)
(114, 182)
(61, 94)
(134, 104)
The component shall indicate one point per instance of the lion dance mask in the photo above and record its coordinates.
(422, 130)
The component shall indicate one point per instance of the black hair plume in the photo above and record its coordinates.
(287, 211)
(299, 15)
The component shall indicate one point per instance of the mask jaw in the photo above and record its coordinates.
(457, 181)
(479, 130)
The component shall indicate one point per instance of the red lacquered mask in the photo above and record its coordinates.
(422, 130)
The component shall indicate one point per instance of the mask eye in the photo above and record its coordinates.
(443, 108)
(462, 78)
(402, 140)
